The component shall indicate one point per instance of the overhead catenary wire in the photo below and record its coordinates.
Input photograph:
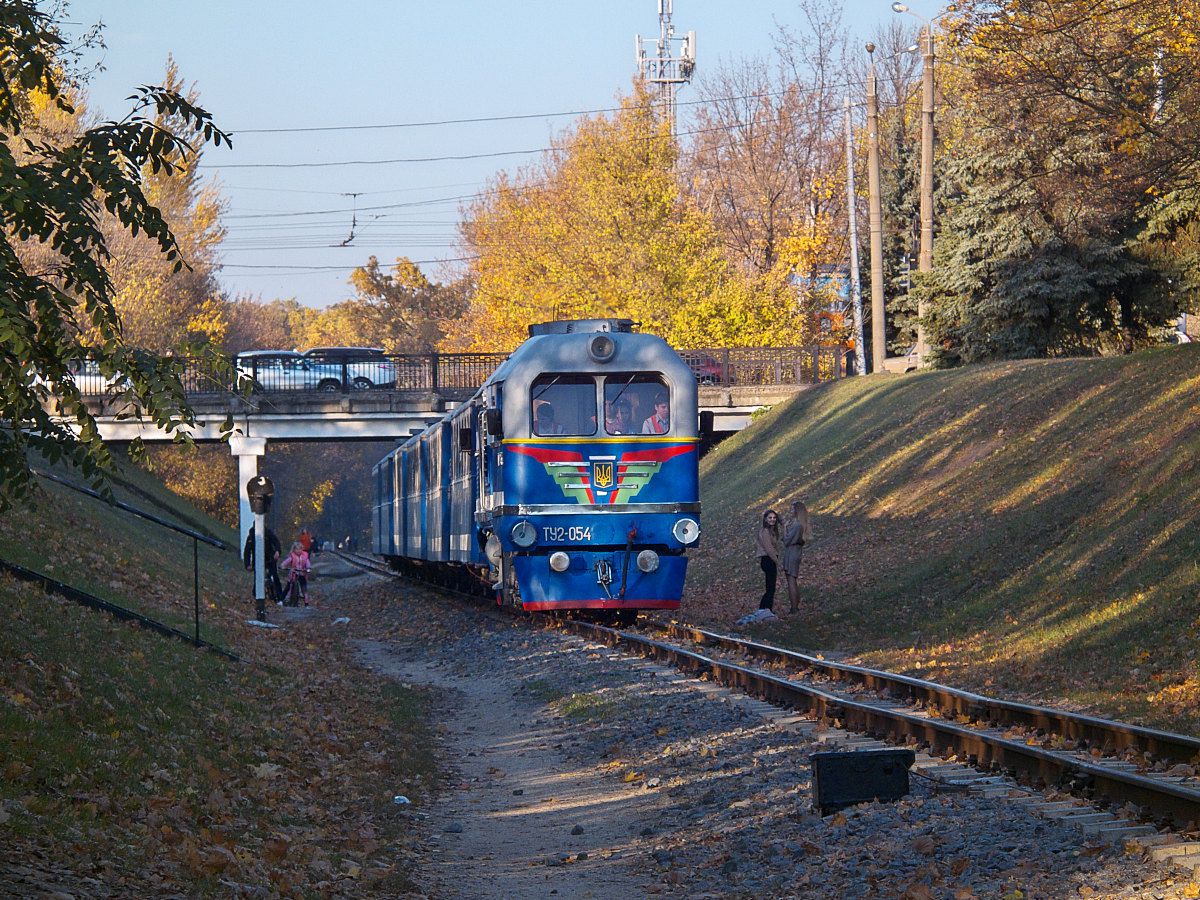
(380, 126)
(419, 262)
(459, 157)
(269, 240)
(407, 190)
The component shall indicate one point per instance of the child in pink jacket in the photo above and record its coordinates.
(298, 566)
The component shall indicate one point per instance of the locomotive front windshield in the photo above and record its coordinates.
(636, 404)
(564, 405)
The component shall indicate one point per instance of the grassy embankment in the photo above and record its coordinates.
(1026, 528)
(152, 767)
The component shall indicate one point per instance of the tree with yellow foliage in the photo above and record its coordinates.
(600, 229)
(161, 308)
(401, 311)
(60, 195)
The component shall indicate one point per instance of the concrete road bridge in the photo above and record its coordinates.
(406, 393)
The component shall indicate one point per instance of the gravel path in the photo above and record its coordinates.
(521, 820)
(578, 772)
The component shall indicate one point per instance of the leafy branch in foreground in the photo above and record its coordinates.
(56, 292)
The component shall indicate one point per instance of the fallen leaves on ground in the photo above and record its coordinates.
(156, 768)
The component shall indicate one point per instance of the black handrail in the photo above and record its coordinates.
(164, 523)
(220, 545)
(120, 612)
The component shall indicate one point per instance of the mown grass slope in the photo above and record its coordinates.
(129, 560)
(1027, 528)
(132, 764)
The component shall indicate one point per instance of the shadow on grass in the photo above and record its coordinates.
(1027, 523)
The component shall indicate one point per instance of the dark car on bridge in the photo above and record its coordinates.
(360, 368)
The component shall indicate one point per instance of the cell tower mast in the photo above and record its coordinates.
(663, 68)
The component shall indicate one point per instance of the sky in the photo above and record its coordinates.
(264, 65)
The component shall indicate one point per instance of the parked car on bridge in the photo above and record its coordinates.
(361, 368)
(88, 380)
(706, 367)
(286, 370)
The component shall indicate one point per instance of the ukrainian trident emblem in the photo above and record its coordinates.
(602, 474)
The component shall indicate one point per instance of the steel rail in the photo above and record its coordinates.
(1104, 734)
(1160, 799)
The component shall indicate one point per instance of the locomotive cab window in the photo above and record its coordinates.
(563, 405)
(636, 403)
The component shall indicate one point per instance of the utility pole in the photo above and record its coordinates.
(878, 332)
(860, 357)
(925, 260)
(663, 69)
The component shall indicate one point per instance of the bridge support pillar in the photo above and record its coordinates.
(247, 450)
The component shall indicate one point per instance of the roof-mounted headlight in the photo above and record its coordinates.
(602, 348)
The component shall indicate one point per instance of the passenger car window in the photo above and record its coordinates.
(563, 405)
(637, 403)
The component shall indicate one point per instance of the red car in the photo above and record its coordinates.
(707, 368)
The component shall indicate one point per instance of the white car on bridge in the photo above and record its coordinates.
(361, 368)
(285, 370)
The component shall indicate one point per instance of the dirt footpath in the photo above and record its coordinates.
(521, 820)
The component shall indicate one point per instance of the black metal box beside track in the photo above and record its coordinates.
(842, 779)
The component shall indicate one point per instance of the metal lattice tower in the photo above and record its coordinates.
(665, 69)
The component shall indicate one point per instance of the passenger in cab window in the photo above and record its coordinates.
(545, 422)
(620, 418)
(659, 423)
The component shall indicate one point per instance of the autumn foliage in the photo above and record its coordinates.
(602, 228)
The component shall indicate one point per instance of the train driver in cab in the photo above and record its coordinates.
(545, 422)
(659, 423)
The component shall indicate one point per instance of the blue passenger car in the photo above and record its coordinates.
(569, 481)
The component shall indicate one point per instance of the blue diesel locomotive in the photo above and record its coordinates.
(569, 481)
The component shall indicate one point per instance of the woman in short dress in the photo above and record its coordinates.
(796, 534)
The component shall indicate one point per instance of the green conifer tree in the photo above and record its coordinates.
(1014, 277)
(900, 204)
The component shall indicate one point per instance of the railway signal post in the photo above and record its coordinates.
(260, 489)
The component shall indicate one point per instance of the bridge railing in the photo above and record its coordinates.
(457, 372)
(201, 376)
(766, 366)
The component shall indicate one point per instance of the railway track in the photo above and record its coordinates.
(1097, 759)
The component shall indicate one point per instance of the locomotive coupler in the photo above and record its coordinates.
(604, 575)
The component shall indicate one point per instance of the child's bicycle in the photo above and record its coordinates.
(295, 592)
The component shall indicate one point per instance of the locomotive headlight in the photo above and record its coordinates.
(559, 561)
(524, 535)
(602, 348)
(647, 561)
(686, 531)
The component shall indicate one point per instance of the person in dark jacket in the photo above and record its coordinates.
(768, 545)
(273, 586)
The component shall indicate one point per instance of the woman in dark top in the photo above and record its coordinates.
(768, 547)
